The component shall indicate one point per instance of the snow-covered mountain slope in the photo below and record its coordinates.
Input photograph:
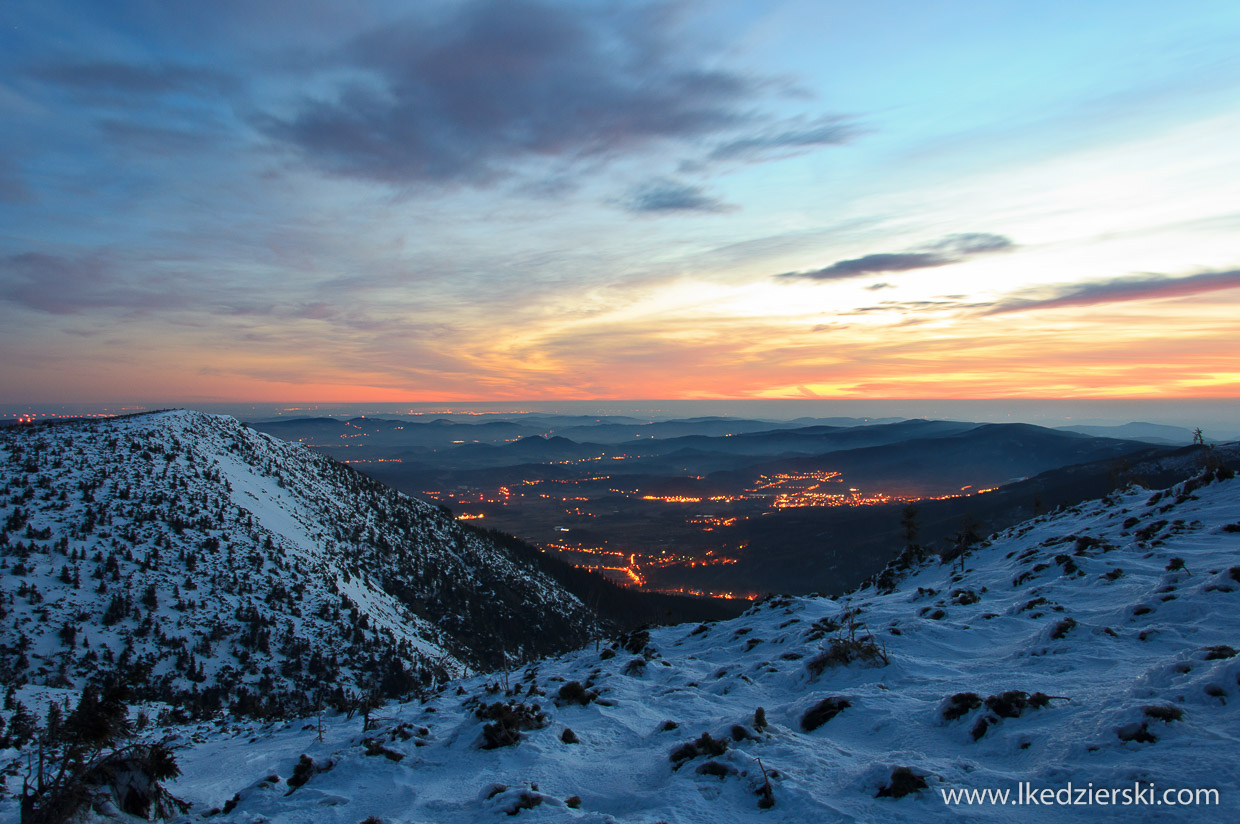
(217, 566)
(1093, 648)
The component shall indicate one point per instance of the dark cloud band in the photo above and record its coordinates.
(670, 196)
(949, 250)
(462, 97)
(1116, 290)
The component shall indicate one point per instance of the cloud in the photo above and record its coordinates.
(12, 188)
(949, 250)
(790, 139)
(468, 94)
(156, 140)
(67, 286)
(670, 196)
(132, 79)
(974, 243)
(918, 306)
(874, 287)
(1116, 290)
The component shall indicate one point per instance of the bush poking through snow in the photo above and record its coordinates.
(845, 649)
(573, 802)
(739, 733)
(569, 737)
(959, 705)
(1136, 732)
(1062, 628)
(1163, 712)
(821, 627)
(574, 693)
(766, 795)
(964, 597)
(507, 723)
(302, 772)
(704, 745)
(1009, 704)
(903, 782)
(759, 719)
(1040, 699)
(1218, 652)
(823, 711)
(525, 801)
(374, 747)
(636, 641)
(716, 768)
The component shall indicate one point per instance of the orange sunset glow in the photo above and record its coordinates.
(236, 230)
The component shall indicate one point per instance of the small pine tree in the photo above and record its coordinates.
(86, 765)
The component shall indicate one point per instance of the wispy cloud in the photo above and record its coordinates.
(12, 188)
(786, 139)
(1115, 290)
(134, 79)
(157, 140)
(664, 195)
(61, 285)
(951, 249)
(918, 306)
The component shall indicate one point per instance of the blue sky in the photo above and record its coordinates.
(490, 200)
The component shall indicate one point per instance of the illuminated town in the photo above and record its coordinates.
(645, 538)
(661, 534)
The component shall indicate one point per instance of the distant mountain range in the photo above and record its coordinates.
(952, 457)
(1148, 432)
(930, 457)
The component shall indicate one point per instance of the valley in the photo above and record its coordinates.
(697, 505)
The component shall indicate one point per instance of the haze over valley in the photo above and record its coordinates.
(699, 505)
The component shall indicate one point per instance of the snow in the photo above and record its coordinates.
(218, 522)
(1101, 672)
(280, 512)
(1148, 632)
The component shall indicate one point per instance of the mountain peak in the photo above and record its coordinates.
(184, 549)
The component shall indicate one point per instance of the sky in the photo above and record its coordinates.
(290, 200)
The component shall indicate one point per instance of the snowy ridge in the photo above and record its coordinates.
(1097, 644)
(219, 567)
